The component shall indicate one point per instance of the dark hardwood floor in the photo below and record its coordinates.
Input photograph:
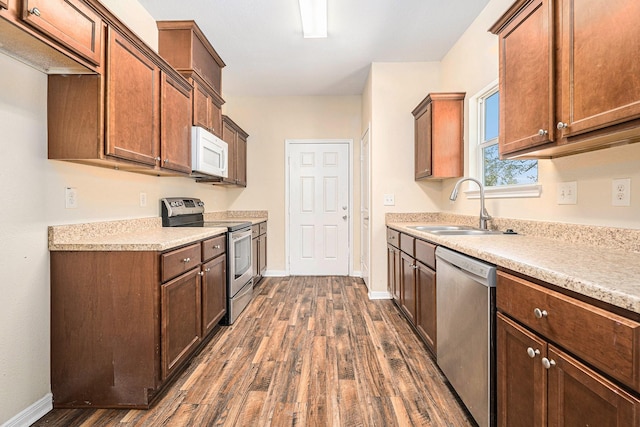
(308, 351)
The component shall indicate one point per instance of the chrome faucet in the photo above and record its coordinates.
(484, 215)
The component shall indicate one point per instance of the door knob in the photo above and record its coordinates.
(344, 217)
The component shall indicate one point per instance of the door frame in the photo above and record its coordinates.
(287, 205)
(367, 135)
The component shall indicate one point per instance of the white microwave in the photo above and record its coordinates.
(209, 154)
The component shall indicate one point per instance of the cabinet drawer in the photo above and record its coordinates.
(255, 231)
(178, 261)
(606, 340)
(263, 227)
(407, 244)
(393, 237)
(213, 247)
(426, 253)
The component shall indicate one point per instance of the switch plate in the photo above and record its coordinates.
(143, 200)
(621, 192)
(70, 198)
(389, 200)
(567, 193)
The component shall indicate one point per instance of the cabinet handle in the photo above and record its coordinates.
(186, 260)
(166, 160)
(540, 313)
(217, 247)
(157, 159)
(206, 270)
(548, 363)
(34, 11)
(543, 132)
(562, 125)
(533, 353)
(201, 273)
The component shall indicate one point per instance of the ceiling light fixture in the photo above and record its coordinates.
(314, 18)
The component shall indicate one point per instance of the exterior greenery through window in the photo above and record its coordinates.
(496, 172)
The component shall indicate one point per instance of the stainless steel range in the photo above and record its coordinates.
(189, 212)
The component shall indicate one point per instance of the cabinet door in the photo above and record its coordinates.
(600, 67)
(392, 285)
(229, 136)
(241, 161)
(69, 22)
(214, 293)
(423, 143)
(201, 107)
(181, 324)
(215, 112)
(262, 254)
(522, 380)
(132, 102)
(175, 137)
(4, 4)
(408, 285)
(254, 258)
(527, 90)
(580, 397)
(426, 298)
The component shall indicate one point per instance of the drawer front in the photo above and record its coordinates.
(393, 237)
(211, 248)
(255, 231)
(426, 253)
(608, 341)
(181, 260)
(407, 244)
(263, 227)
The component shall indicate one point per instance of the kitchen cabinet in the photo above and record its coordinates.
(393, 264)
(426, 292)
(567, 102)
(259, 250)
(236, 138)
(408, 287)
(207, 108)
(4, 4)
(136, 117)
(120, 341)
(439, 136)
(554, 371)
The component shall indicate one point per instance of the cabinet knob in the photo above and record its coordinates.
(186, 260)
(548, 363)
(206, 270)
(166, 160)
(543, 132)
(34, 11)
(216, 246)
(540, 313)
(532, 353)
(562, 125)
(157, 159)
(201, 273)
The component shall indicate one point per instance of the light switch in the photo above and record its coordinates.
(389, 200)
(567, 193)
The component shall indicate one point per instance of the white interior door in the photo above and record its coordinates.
(319, 209)
(364, 207)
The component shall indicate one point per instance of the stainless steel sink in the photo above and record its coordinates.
(466, 232)
(432, 228)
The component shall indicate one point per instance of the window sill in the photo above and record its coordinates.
(507, 192)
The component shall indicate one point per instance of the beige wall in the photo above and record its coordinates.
(269, 122)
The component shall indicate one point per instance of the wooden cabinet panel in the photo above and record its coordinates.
(201, 106)
(175, 138)
(132, 102)
(407, 244)
(408, 287)
(259, 250)
(439, 134)
(522, 380)
(599, 63)
(241, 161)
(426, 309)
(610, 343)
(262, 227)
(254, 259)
(393, 272)
(70, 22)
(213, 247)
(178, 261)
(426, 253)
(393, 237)
(214, 293)
(181, 321)
(4, 4)
(262, 254)
(229, 136)
(527, 80)
(236, 138)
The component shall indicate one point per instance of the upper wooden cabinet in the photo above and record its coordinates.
(207, 107)
(439, 134)
(567, 73)
(236, 138)
(175, 124)
(70, 22)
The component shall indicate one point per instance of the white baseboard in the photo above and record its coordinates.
(380, 295)
(33, 413)
(275, 273)
(357, 273)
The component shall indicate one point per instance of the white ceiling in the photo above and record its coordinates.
(261, 40)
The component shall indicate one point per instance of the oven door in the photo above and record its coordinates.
(240, 268)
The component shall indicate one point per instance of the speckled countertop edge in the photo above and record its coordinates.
(611, 275)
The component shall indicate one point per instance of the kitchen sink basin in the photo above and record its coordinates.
(464, 232)
(432, 228)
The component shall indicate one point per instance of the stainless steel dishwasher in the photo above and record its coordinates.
(465, 298)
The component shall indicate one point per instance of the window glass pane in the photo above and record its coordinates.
(491, 117)
(507, 172)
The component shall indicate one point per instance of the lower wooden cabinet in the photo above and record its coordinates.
(541, 385)
(393, 272)
(214, 293)
(408, 286)
(426, 304)
(259, 250)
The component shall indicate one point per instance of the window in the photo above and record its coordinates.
(495, 172)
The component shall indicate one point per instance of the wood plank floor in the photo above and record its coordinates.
(308, 351)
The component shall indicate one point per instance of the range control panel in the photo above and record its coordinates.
(177, 206)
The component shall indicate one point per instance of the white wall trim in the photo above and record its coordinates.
(33, 413)
(380, 295)
(287, 144)
(356, 273)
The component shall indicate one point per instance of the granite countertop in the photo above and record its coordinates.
(606, 274)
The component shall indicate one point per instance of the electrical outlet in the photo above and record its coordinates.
(389, 200)
(621, 192)
(70, 198)
(567, 193)
(143, 200)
